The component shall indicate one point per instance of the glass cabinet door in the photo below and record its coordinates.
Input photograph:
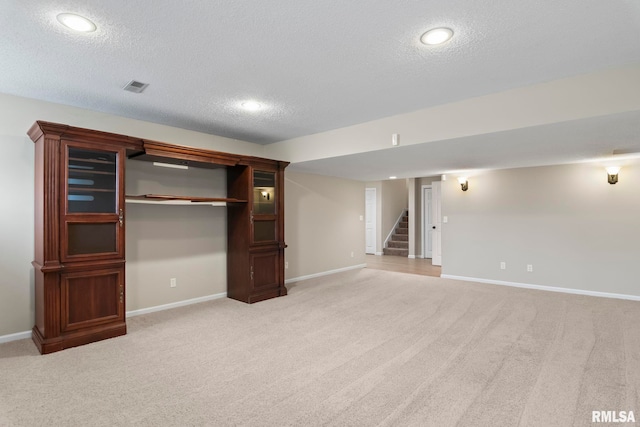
(91, 181)
(264, 206)
(93, 215)
(264, 197)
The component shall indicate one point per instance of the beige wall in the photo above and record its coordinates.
(16, 234)
(322, 224)
(188, 243)
(18, 114)
(577, 231)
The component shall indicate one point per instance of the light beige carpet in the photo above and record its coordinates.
(361, 348)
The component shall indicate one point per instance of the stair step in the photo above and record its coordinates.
(401, 230)
(398, 244)
(396, 252)
(400, 237)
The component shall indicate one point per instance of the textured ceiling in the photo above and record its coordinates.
(316, 65)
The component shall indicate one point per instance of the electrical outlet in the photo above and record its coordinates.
(352, 254)
(503, 265)
(173, 282)
(286, 264)
(529, 268)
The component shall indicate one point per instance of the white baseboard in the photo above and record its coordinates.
(411, 256)
(27, 334)
(379, 253)
(543, 288)
(15, 337)
(175, 304)
(324, 273)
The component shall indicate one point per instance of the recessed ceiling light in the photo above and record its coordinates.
(436, 36)
(251, 105)
(76, 22)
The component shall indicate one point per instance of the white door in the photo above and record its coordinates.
(370, 220)
(427, 222)
(436, 227)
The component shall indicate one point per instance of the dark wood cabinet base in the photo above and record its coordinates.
(261, 296)
(51, 345)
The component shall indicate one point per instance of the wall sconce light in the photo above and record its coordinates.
(612, 174)
(464, 183)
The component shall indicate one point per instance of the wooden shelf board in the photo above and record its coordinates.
(160, 199)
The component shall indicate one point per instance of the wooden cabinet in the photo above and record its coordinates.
(256, 232)
(79, 235)
(80, 227)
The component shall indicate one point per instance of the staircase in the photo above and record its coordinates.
(398, 244)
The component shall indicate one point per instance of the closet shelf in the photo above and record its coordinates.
(161, 199)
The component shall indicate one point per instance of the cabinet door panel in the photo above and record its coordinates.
(264, 207)
(91, 180)
(265, 270)
(91, 238)
(92, 208)
(264, 194)
(91, 298)
(264, 231)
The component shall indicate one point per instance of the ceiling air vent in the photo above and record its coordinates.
(135, 86)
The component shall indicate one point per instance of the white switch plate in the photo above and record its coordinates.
(445, 219)
(361, 218)
(173, 282)
(395, 139)
(503, 265)
(286, 264)
(529, 268)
